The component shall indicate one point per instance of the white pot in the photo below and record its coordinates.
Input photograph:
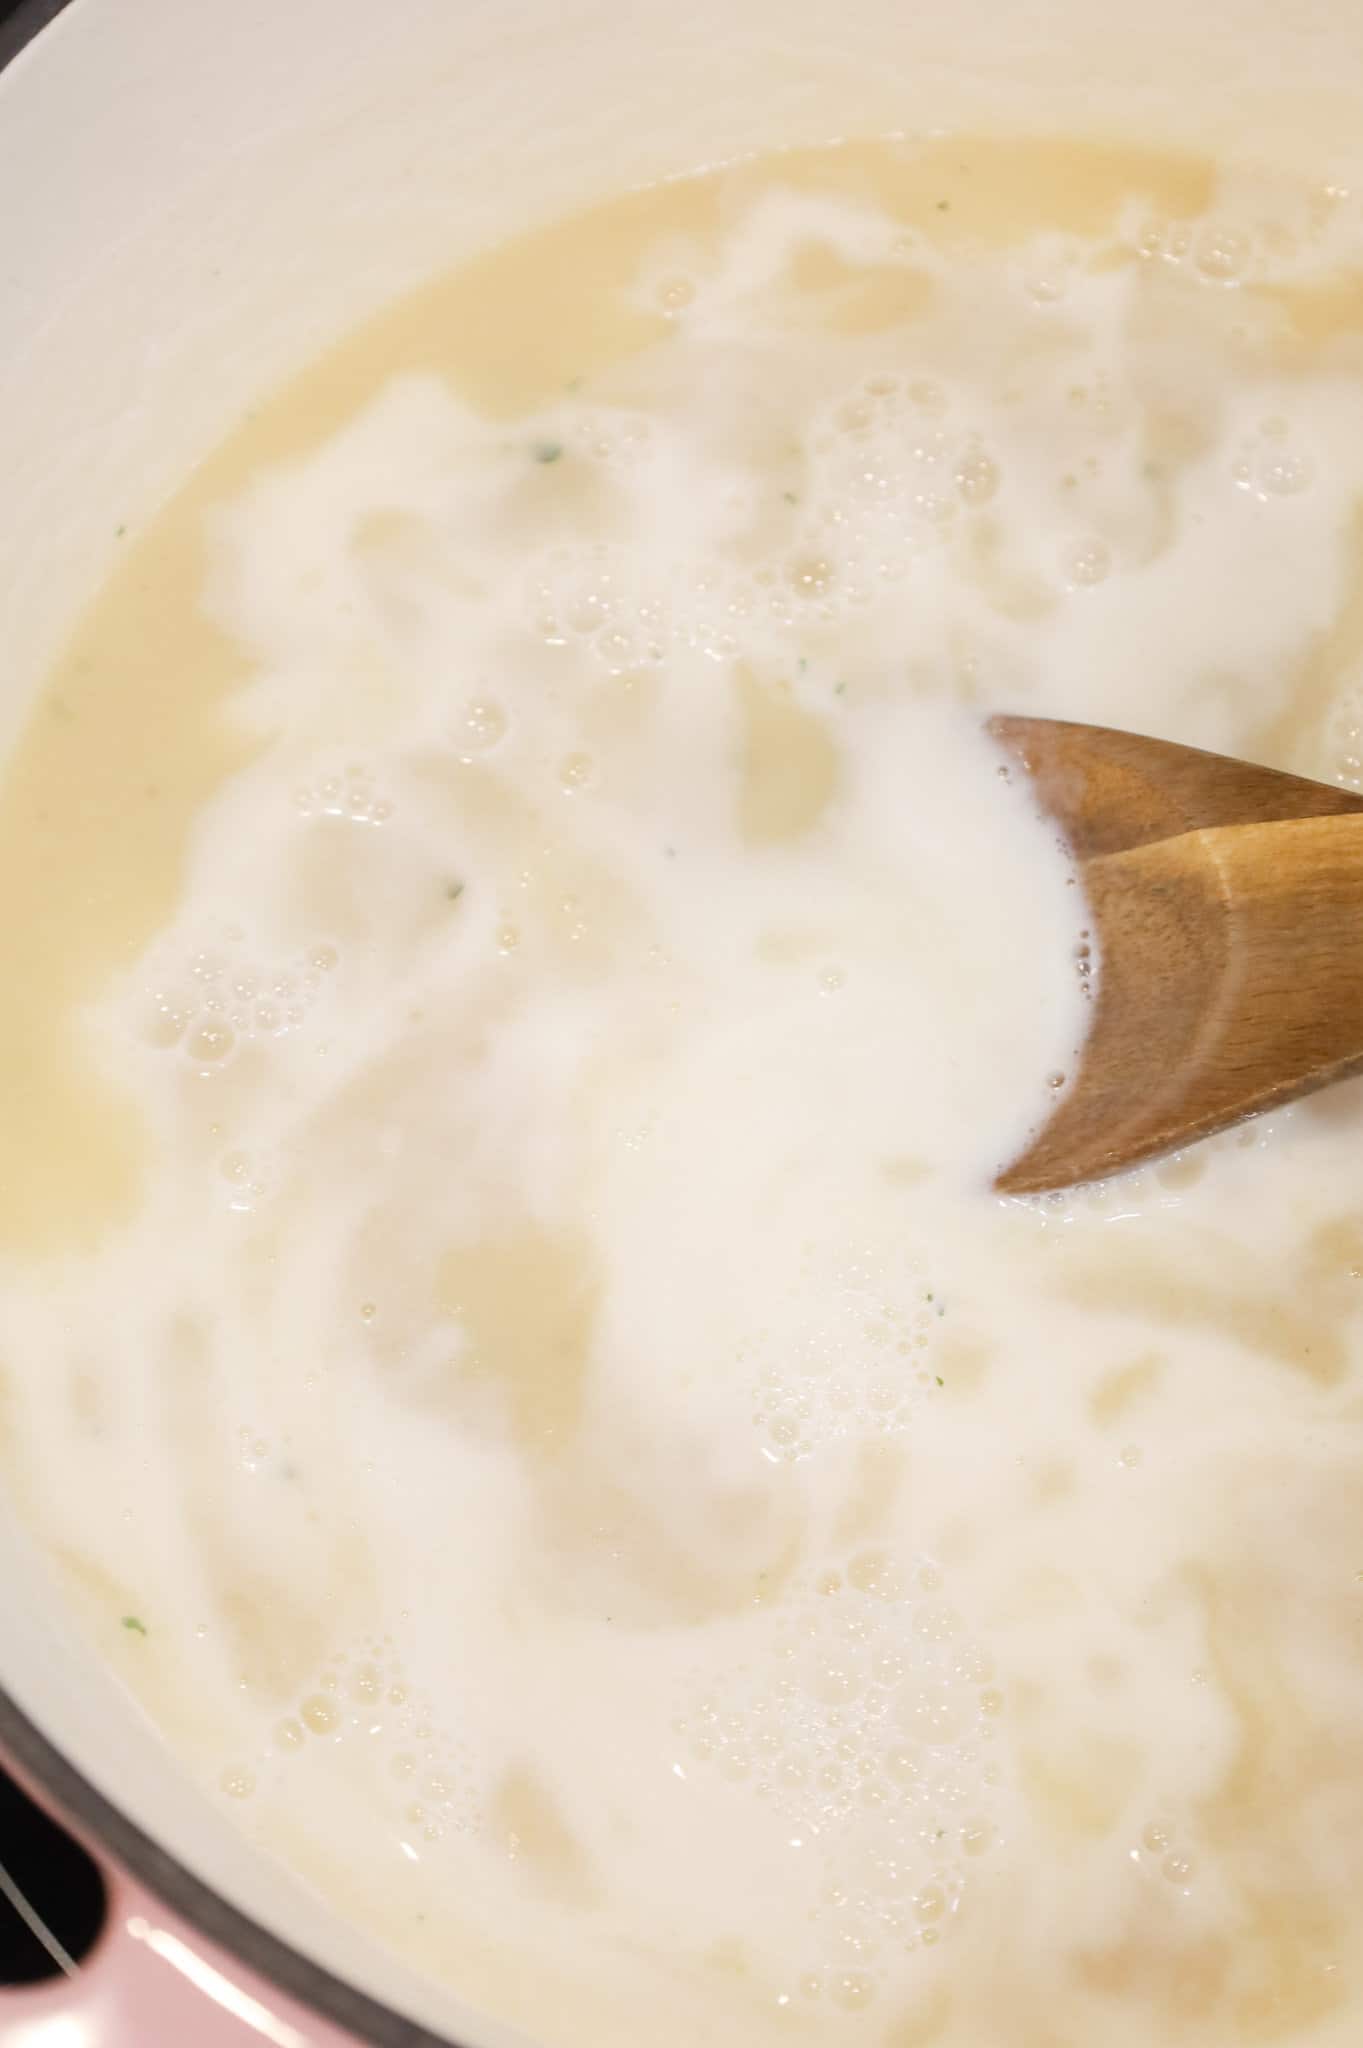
(199, 194)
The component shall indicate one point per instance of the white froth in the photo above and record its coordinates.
(600, 1458)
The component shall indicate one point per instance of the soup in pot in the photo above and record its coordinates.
(521, 964)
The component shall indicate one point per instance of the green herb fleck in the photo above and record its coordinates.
(453, 891)
(944, 206)
(791, 497)
(941, 1308)
(939, 1834)
(803, 664)
(547, 451)
(940, 1381)
(119, 532)
(839, 689)
(138, 1627)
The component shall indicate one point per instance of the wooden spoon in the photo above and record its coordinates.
(1226, 908)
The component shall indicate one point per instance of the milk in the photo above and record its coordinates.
(521, 1362)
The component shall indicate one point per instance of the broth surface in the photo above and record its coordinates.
(521, 965)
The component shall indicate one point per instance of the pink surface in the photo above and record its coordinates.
(154, 1983)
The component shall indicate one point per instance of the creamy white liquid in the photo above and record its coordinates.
(560, 1431)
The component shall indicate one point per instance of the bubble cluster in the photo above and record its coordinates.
(248, 1178)
(977, 476)
(594, 597)
(1217, 252)
(349, 793)
(1084, 963)
(887, 475)
(617, 439)
(1086, 563)
(1271, 462)
(1343, 741)
(253, 1449)
(478, 727)
(600, 598)
(1162, 1849)
(363, 1702)
(1222, 253)
(1046, 269)
(674, 294)
(859, 1364)
(868, 1730)
(891, 471)
(208, 999)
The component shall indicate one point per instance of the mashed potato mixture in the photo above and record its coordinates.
(521, 963)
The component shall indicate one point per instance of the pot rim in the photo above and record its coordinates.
(22, 23)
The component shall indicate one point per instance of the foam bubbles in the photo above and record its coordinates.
(481, 726)
(351, 793)
(209, 997)
(249, 1177)
(1342, 744)
(1273, 462)
(210, 1041)
(888, 474)
(1045, 270)
(977, 475)
(1222, 253)
(1086, 562)
(864, 1727)
(602, 600)
(319, 1715)
(1164, 1851)
(858, 1360)
(363, 1704)
(674, 294)
(1218, 251)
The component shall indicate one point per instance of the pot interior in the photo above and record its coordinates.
(216, 192)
